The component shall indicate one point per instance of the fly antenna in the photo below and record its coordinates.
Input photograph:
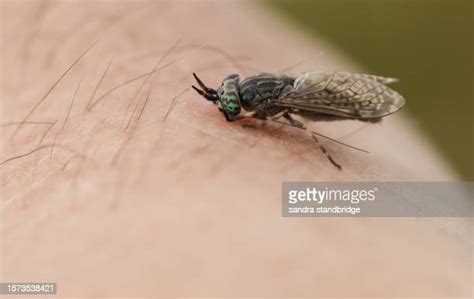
(198, 90)
(203, 86)
(209, 93)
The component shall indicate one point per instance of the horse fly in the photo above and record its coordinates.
(320, 95)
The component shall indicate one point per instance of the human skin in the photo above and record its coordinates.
(148, 191)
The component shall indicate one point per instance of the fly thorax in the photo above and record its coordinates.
(228, 93)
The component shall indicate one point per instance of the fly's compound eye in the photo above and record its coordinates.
(230, 103)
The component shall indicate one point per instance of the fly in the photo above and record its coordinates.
(317, 96)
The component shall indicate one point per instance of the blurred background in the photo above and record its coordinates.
(427, 44)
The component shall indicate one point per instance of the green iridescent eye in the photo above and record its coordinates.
(230, 102)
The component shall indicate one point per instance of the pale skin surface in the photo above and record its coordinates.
(140, 199)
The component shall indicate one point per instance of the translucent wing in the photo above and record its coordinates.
(342, 94)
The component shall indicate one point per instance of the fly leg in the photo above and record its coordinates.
(300, 125)
(292, 121)
(286, 115)
(258, 115)
(326, 153)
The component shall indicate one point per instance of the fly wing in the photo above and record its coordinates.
(342, 94)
